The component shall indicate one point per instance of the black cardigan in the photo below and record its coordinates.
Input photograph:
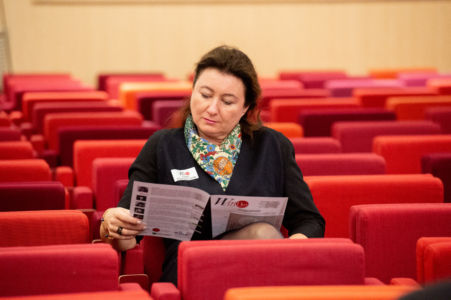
(265, 167)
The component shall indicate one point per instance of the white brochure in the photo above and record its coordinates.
(172, 211)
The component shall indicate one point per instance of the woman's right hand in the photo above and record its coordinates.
(119, 225)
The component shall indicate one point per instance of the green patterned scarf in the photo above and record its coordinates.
(217, 161)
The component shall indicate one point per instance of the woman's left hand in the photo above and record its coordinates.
(297, 236)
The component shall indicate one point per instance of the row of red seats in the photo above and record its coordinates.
(80, 176)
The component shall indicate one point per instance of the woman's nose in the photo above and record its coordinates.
(213, 106)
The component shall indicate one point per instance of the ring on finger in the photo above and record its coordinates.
(119, 230)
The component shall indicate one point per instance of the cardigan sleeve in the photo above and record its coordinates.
(144, 168)
(301, 215)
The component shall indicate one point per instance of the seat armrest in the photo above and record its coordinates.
(129, 286)
(132, 261)
(26, 128)
(141, 279)
(38, 142)
(82, 198)
(164, 291)
(65, 175)
(373, 281)
(404, 281)
(16, 117)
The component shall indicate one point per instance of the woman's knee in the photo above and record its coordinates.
(258, 231)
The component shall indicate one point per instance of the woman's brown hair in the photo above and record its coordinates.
(233, 61)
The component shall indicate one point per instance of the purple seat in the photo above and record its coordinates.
(40, 110)
(145, 100)
(36, 195)
(340, 164)
(317, 122)
(315, 145)
(358, 136)
(345, 87)
(439, 165)
(440, 115)
(69, 135)
(162, 110)
(9, 134)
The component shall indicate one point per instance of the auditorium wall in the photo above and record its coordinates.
(85, 38)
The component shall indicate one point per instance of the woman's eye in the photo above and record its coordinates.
(227, 102)
(205, 96)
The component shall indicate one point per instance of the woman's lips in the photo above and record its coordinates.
(209, 121)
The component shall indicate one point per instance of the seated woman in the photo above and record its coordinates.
(231, 152)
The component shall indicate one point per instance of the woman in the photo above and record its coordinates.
(231, 152)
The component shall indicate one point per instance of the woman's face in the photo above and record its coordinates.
(217, 104)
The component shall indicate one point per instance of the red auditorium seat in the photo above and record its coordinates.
(53, 122)
(58, 269)
(389, 233)
(24, 170)
(442, 85)
(394, 73)
(323, 262)
(32, 98)
(441, 116)
(334, 195)
(340, 164)
(268, 96)
(37, 195)
(9, 134)
(288, 110)
(126, 292)
(289, 129)
(145, 100)
(318, 122)
(377, 97)
(358, 136)
(312, 79)
(44, 227)
(16, 150)
(345, 87)
(439, 165)
(312, 145)
(113, 83)
(433, 259)
(403, 153)
(413, 108)
(162, 111)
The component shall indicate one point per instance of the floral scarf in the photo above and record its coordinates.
(217, 161)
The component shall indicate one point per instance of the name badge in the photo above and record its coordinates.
(187, 174)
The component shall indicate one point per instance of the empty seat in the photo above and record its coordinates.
(319, 122)
(419, 79)
(439, 165)
(9, 134)
(315, 145)
(16, 150)
(58, 269)
(113, 82)
(69, 135)
(334, 195)
(312, 79)
(38, 195)
(323, 262)
(40, 110)
(124, 293)
(394, 72)
(389, 233)
(288, 110)
(358, 136)
(269, 95)
(340, 292)
(54, 122)
(289, 129)
(44, 227)
(441, 116)
(345, 87)
(403, 153)
(24, 170)
(441, 85)
(162, 111)
(377, 97)
(413, 108)
(32, 98)
(145, 100)
(340, 164)
(433, 259)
